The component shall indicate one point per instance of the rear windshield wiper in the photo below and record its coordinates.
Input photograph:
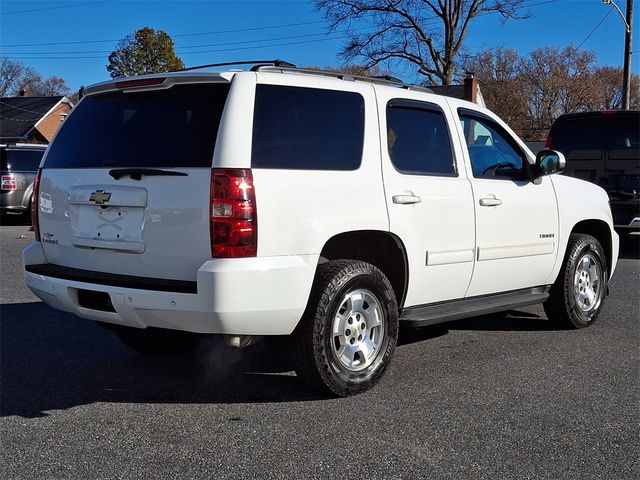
(137, 173)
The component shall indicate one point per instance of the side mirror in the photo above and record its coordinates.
(549, 161)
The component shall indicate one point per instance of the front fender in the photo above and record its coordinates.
(581, 201)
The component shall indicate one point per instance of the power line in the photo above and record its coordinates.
(218, 32)
(20, 108)
(594, 30)
(191, 53)
(239, 30)
(73, 54)
(25, 120)
(53, 8)
(293, 37)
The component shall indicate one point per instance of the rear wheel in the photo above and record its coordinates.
(349, 331)
(26, 214)
(577, 296)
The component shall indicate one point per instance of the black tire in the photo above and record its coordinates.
(26, 215)
(568, 301)
(156, 341)
(317, 359)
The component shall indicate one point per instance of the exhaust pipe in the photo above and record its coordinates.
(241, 341)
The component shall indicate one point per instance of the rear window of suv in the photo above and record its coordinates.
(176, 127)
(307, 128)
(589, 137)
(22, 160)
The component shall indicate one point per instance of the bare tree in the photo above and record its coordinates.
(426, 33)
(354, 69)
(46, 87)
(557, 82)
(499, 75)
(530, 92)
(16, 76)
(13, 76)
(607, 88)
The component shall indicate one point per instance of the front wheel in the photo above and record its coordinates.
(577, 296)
(349, 331)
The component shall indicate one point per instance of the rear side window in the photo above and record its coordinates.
(307, 129)
(21, 160)
(588, 137)
(625, 132)
(580, 138)
(161, 128)
(418, 140)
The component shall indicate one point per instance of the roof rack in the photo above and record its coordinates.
(275, 63)
(284, 67)
(381, 80)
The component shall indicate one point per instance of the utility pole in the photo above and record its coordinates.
(626, 81)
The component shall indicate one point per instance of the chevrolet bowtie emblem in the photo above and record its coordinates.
(100, 197)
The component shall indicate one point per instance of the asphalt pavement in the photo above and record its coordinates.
(501, 396)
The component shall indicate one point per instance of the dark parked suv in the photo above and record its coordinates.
(18, 166)
(604, 148)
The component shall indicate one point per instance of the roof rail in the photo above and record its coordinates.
(380, 80)
(275, 63)
(283, 66)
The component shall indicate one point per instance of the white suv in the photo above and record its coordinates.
(327, 207)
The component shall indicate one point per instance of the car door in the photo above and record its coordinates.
(428, 195)
(516, 218)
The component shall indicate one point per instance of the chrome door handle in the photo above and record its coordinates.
(406, 199)
(490, 202)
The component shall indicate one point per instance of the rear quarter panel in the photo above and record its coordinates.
(299, 210)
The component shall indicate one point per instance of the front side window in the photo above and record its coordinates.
(418, 140)
(492, 151)
(307, 129)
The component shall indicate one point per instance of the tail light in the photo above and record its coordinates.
(35, 205)
(547, 144)
(8, 182)
(233, 218)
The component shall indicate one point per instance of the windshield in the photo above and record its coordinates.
(160, 128)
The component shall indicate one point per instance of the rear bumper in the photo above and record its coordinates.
(247, 296)
(13, 200)
(631, 228)
(626, 215)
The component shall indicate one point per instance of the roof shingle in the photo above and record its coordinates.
(18, 115)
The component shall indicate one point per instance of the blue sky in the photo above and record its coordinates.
(299, 34)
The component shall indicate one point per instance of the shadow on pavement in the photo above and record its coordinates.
(15, 219)
(51, 360)
(510, 321)
(630, 247)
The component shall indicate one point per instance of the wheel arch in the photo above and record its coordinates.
(379, 248)
(26, 197)
(601, 231)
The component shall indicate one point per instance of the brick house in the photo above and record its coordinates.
(31, 119)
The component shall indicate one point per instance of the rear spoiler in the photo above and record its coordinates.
(155, 82)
